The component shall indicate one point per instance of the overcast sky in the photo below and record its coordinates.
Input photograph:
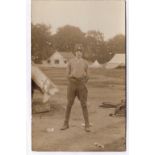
(107, 16)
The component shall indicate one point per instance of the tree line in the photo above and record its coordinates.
(44, 43)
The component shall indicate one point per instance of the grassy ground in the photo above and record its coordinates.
(103, 86)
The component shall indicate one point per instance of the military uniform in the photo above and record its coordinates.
(77, 73)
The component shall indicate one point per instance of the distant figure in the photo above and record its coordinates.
(77, 73)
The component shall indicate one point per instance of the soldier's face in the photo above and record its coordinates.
(78, 54)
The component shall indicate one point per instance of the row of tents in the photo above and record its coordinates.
(117, 61)
(60, 59)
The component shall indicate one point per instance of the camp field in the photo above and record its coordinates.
(103, 86)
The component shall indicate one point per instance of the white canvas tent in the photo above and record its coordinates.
(43, 82)
(95, 64)
(60, 59)
(118, 60)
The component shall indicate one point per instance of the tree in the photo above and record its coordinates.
(97, 35)
(66, 38)
(96, 47)
(116, 44)
(41, 42)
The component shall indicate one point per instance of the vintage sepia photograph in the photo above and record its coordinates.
(78, 75)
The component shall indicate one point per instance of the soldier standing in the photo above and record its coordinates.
(77, 73)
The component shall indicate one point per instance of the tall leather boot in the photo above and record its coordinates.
(67, 116)
(86, 118)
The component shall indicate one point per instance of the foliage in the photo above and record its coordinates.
(44, 43)
(41, 42)
(117, 44)
(67, 37)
